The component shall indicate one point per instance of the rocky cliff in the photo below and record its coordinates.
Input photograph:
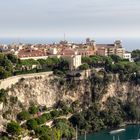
(47, 90)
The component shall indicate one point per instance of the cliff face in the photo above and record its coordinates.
(47, 90)
(124, 91)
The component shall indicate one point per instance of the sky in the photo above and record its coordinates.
(75, 18)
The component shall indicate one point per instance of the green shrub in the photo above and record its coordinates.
(43, 131)
(84, 66)
(32, 124)
(41, 119)
(13, 128)
(24, 115)
(55, 113)
(33, 109)
(3, 95)
(48, 116)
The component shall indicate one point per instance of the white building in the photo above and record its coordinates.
(127, 55)
(53, 51)
(73, 60)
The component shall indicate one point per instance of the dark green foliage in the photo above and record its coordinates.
(12, 58)
(33, 109)
(78, 120)
(13, 128)
(6, 67)
(135, 78)
(24, 115)
(4, 138)
(84, 67)
(32, 124)
(132, 111)
(136, 55)
(96, 60)
(41, 120)
(48, 116)
(55, 113)
(43, 131)
(115, 58)
(66, 130)
(4, 73)
(45, 137)
(3, 95)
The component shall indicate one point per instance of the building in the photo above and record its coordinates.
(111, 49)
(32, 54)
(53, 51)
(90, 42)
(127, 55)
(85, 51)
(73, 60)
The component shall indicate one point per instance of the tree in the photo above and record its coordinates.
(84, 67)
(12, 58)
(115, 58)
(13, 128)
(79, 120)
(3, 73)
(43, 131)
(87, 60)
(64, 126)
(136, 55)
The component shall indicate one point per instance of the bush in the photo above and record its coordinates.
(48, 116)
(3, 94)
(41, 119)
(33, 109)
(13, 128)
(32, 124)
(43, 131)
(55, 113)
(24, 115)
(4, 138)
(84, 67)
(64, 126)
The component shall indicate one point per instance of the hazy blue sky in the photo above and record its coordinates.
(76, 18)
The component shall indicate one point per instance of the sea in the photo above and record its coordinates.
(128, 43)
(132, 132)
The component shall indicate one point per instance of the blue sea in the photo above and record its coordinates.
(128, 43)
(132, 132)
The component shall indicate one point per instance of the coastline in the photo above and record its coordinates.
(107, 130)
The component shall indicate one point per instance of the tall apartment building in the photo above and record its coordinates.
(111, 49)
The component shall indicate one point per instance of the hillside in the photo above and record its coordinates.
(47, 91)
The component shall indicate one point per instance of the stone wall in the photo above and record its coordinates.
(7, 83)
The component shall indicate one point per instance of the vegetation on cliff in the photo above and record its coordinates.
(88, 113)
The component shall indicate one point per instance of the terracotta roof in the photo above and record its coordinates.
(68, 52)
(31, 53)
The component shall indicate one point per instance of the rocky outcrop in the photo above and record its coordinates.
(47, 90)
